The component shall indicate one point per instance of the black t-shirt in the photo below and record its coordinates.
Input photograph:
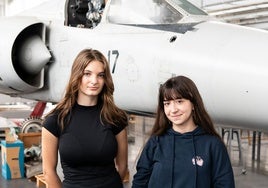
(87, 148)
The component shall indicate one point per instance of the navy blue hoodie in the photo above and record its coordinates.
(190, 160)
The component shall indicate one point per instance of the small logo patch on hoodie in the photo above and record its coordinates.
(199, 161)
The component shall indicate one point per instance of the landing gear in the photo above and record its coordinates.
(34, 122)
(31, 124)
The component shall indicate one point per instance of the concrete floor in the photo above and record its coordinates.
(256, 175)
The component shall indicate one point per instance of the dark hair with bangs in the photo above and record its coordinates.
(176, 88)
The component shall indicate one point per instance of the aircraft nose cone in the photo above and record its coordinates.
(33, 55)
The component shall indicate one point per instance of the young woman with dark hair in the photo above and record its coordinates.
(184, 149)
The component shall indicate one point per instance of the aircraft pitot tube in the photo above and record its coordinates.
(23, 69)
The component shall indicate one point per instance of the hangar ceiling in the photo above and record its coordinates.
(252, 13)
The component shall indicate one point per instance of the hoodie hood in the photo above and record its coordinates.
(198, 131)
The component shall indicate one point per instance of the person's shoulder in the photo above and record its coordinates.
(210, 137)
(214, 140)
(51, 117)
(200, 132)
(51, 124)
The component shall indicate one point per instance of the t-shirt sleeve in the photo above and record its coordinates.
(51, 124)
(118, 128)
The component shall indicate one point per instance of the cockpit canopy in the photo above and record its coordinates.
(89, 13)
(151, 11)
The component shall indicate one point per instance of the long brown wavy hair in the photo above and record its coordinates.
(110, 113)
(176, 88)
